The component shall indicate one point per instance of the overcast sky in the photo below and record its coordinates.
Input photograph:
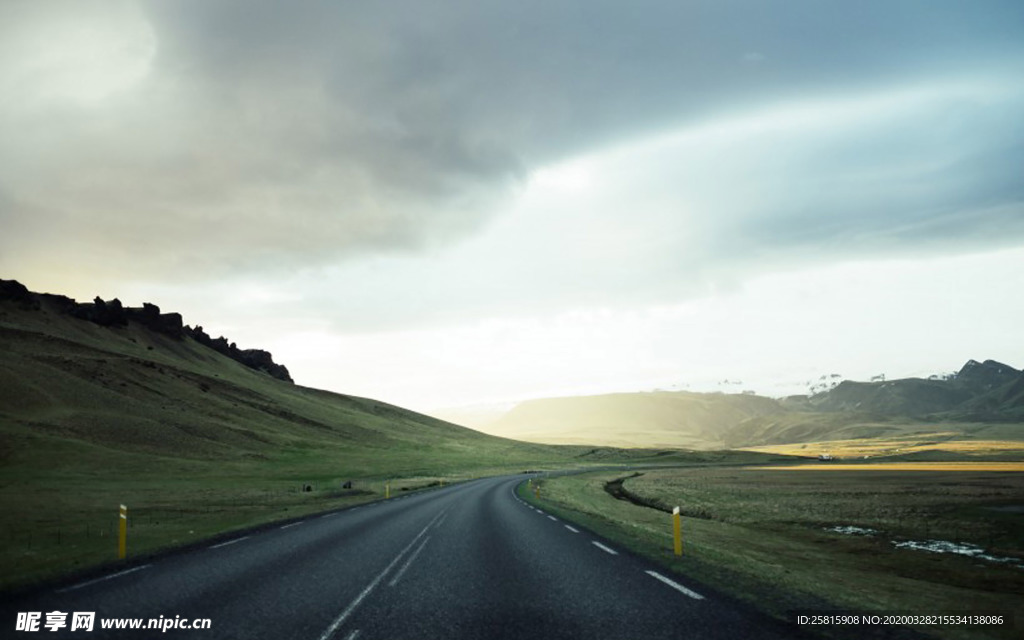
(460, 202)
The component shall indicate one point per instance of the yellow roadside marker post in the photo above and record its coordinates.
(677, 530)
(536, 492)
(387, 490)
(122, 535)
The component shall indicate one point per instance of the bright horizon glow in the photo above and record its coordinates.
(773, 334)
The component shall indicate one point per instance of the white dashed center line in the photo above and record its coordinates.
(224, 544)
(604, 548)
(373, 583)
(408, 563)
(113, 575)
(675, 585)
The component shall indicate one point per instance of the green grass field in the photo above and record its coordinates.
(760, 535)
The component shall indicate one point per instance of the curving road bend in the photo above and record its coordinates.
(463, 562)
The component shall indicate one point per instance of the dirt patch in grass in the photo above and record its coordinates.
(617, 491)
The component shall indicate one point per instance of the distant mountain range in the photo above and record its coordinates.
(981, 392)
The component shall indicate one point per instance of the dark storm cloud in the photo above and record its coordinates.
(945, 180)
(239, 135)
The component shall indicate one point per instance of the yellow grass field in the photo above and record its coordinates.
(904, 466)
(947, 442)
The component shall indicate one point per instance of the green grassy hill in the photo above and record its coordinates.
(131, 391)
(657, 419)
(193, 441)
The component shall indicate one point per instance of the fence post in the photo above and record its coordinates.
(122, 536)
(677, 531)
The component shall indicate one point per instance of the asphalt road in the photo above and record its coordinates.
(467, 561)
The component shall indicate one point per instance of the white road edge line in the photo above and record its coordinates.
(604, 548)
(571, 529)
(408, 563)
(373, 584)
(329, 515)
(553, 518)
(438, 525)
(294, 524)
(113, 575)
(675, 585)
(353, 635)
(224, 544)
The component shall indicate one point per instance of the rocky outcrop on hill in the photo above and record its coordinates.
(149, 314)
(105, 314)
(14, 291)
(252, 358)
(112, 313)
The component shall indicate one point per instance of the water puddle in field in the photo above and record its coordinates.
(959, 548)
(1012, 508)
(933, 546)
(853, 531)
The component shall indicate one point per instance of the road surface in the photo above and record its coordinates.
(467, 561)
